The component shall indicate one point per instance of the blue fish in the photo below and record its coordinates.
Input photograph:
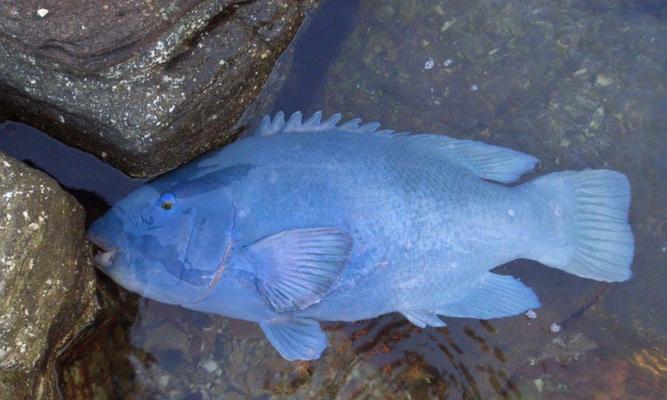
(309, 221)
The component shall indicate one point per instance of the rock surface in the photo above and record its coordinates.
(48, 295)
(144, 85)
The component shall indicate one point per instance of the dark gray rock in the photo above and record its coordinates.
(48, 294)
(144, 85)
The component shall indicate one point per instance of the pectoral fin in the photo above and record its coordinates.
(296, 268)
(495, 296)
(296, 339)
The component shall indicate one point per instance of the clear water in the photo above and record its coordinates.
(577, 84)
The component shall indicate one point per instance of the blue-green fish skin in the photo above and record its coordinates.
(309, 221)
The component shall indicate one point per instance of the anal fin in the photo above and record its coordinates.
(423, 318)
(495, 296)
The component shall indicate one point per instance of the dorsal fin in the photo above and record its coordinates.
(487, 161)
(484, 160)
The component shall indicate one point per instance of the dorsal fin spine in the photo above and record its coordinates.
(277, 124)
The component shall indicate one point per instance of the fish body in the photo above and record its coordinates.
(309, 221)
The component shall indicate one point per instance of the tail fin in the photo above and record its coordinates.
(599, 243)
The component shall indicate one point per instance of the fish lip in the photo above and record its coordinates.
(105, 254)
(105, 259)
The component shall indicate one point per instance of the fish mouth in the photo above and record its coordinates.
(104, 259)
(105, 254)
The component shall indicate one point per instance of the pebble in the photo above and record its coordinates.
(603, 80)
(210, 365)
(42, 12)
(580, 72)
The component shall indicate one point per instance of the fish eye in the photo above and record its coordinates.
(166, 201)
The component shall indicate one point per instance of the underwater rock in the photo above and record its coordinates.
(48, 294)
(168, 86)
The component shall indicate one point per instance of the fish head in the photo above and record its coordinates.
(166, 241)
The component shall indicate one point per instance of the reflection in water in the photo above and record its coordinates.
(576, 84)
(457, 360)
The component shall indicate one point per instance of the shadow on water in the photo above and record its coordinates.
(72, 168)
(577, 85)
(314, 50)
(94, 184)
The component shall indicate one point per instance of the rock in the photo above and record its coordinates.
(168, 86)
(210, 366)
(48, 294)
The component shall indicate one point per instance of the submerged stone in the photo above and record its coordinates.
(48, 294)
(143, 85)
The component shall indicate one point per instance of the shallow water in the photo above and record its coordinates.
(577, 84)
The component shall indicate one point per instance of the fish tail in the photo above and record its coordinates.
(589, 215)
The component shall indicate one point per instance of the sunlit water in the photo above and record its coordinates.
(577, 84)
